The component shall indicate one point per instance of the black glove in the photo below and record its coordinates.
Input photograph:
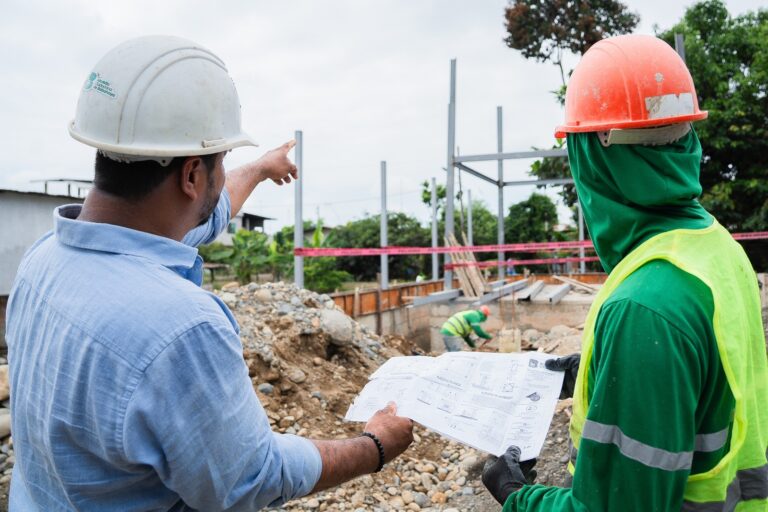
(569, 365)
(506, 474)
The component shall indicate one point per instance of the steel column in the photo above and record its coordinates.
(298, 223)
(680, 46)
(435, 262)
(500, 214)
(449, 193)
(383, 228)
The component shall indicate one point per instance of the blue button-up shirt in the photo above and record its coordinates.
(128, 386)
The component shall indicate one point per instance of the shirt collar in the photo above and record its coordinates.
(114, 239)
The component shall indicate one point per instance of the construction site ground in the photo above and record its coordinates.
(308, 360)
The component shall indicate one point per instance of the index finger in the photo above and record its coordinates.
(289, 145)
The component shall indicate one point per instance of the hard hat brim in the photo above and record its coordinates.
(562, 130)
(240, 140)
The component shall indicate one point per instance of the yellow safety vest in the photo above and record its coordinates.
(719, 262)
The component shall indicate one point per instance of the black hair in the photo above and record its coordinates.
(135, 180)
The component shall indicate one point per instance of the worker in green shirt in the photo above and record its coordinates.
(459, 328)
(670, 393)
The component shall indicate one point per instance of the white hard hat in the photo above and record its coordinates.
(159, 97)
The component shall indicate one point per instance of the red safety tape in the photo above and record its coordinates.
(513, 263)
(524, 247)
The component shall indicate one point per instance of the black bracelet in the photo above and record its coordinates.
(379, 446)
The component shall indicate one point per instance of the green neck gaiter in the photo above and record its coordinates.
(630, 193)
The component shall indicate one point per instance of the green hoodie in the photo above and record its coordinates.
(655, 373)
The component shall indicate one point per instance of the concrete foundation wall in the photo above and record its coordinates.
(410, 321)
(508, 314)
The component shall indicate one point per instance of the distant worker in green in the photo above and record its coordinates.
(459, 328)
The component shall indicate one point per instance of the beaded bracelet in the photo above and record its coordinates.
(379, 446)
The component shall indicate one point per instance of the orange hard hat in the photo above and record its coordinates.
(485, 310)
(626, 82)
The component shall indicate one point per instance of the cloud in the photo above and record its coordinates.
(364, 81)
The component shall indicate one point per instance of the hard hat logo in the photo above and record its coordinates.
(95, 83)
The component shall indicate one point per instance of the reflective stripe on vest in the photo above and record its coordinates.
(458, 325)
(741, 476)
(748, 484)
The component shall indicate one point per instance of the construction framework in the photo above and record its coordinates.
(459, 162)
(455, 161)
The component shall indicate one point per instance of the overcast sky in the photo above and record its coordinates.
(365, 81)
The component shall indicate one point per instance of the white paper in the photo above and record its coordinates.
(487, 401)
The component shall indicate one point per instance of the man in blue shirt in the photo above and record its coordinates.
(128, 386)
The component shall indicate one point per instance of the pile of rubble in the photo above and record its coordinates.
(308, 361)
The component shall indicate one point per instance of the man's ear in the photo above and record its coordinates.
(193, 177)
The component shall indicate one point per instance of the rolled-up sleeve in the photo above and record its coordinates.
(216, 223)
(195, 418)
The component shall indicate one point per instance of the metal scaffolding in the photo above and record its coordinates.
(455, 161)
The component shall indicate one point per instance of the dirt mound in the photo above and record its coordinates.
(308, 360)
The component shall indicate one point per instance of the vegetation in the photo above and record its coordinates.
(728, 59)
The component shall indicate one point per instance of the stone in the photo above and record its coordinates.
(5, 425)
(337, 325)
(4, 388)
(393, 491)
(266, 388)
(284, 309)
(469, 462)
(263, 295)
(397, 502)
(297, 376)
(467, 491)
(317, 361)
(561, 331)
(426, 481)
(531, 335)
(439, 498)
(421, 499)
(312, 503)
(414, 506)
(407, 497)
(357, 499)
(271, 376)
(230, 299)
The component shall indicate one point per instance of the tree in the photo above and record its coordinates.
(426, 195)
(403, 230)
(728, 58)
(544, 29)
(321, 273)
(532, 220)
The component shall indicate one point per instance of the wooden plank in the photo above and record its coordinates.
(464, 282)
(476, 289)
(576, 284)
(477, 273)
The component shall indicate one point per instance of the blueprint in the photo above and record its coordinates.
(485, 400)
